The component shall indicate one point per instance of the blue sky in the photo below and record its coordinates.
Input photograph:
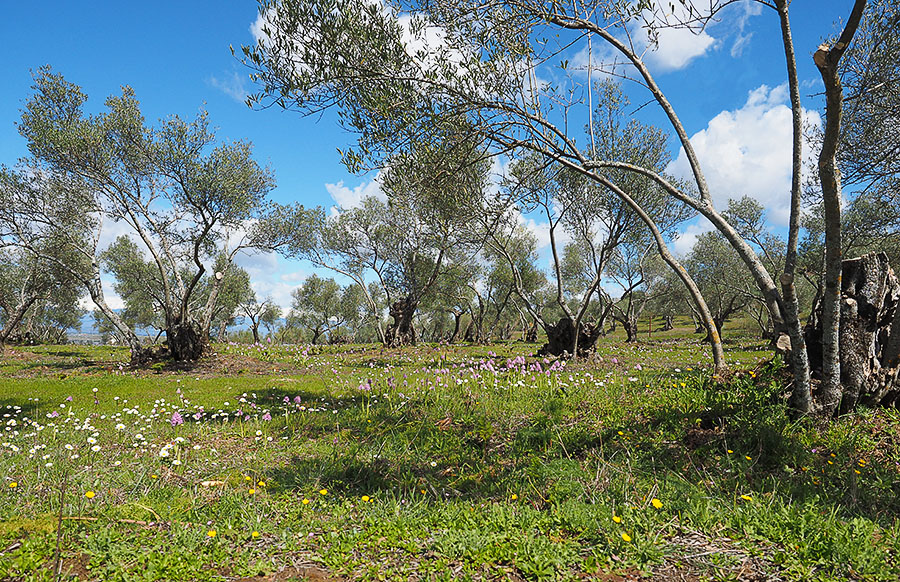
(727, 86)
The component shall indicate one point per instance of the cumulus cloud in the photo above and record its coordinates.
(684, 241)
(748, 152)
(346, 197)
(676, 48)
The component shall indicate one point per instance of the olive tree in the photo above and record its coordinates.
(182, 196)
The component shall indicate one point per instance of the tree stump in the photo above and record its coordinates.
(869, 334)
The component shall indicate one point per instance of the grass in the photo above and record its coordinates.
(436, 463)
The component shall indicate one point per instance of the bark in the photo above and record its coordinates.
(827, 60)
(631, 331)
(532, 334)
(401, 331)
(255, 330)
(869, 336)
(800, 393)
(457, 316)
(561, 338)
(14, 318)
(186, 341)
(669, 325)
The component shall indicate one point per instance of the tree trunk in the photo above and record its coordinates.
(561, 338)
(456, 319)
(827, 60)
(869, 341)
(631, 331)
(255, 329)
(532, 334)
(401, 331)
(669, 325)
(186, 341)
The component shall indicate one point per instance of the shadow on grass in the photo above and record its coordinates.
(470, 457)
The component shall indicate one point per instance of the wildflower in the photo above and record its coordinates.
(254, 535)
(656, 503)
(513, 496)
(730, 451)
(617, 519)
(251, 491)
(748, 457)
(267, 417)
(89, 494)
(626, 537)
(305, 501)
(365, 498)
(13, 485)
(262, 483)
(323, 491)
(95, 448)
(746, 497)
(211, 533)
(176, 419)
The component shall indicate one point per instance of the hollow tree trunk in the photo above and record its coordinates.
(186, 341)
(561, 338)
(869, 340)
(401, 331)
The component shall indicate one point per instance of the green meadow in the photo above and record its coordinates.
(436, 463)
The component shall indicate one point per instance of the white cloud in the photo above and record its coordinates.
(233, 85)
(741, 36)
(748, 152)
(684, 241)
(676, 48)
(352, 197)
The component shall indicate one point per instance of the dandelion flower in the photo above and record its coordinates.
(254, 535)
(211, 533)
(13, 485)
(365, 498)
(323, 491)
(746, 497)
(730, 451)
(305, 501)
(89, 494)
(857, 471)
(656, 503)
(617, 519)
(626, 537)
(262, 483)
(251, 491)
(513, 496)
(748, 457)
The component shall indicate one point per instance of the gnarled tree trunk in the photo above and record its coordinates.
(186, 341)
(869, 340)
(401, 332)
(561, 338)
